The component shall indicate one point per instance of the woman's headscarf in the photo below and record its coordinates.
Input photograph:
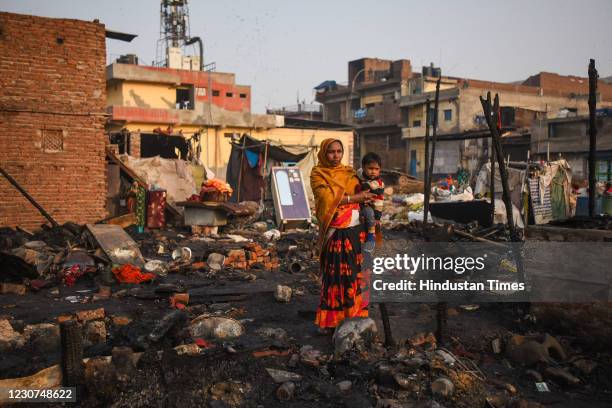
(329, 184)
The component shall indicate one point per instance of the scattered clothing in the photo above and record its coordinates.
(131, 274)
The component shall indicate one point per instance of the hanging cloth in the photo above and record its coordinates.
(252, 158)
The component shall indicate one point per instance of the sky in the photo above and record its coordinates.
(284, 48)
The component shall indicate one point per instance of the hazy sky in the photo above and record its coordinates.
(285, 47)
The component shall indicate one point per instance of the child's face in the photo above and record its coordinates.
(371, 170)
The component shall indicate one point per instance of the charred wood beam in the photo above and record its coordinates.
(29, 197)
(592, 135)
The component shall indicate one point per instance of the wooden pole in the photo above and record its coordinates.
(426, 176)
(592, 136)
(434, 131)
(240, 172)
(492, 189)
(492, 117)
(29, 197)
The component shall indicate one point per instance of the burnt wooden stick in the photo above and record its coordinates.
(492, 182)
(441, 323)
(384, 315)
(592, 135)
(426, 175)
(71, 353)
(492, 117)
(29, 197)
(434, 132)
(441, 310)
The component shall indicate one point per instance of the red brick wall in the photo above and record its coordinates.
(555, 84)
(52, 83)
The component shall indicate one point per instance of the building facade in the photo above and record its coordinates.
(369, 102)
(462, 128)
(568, 138)
(163, 111)
(52, 114)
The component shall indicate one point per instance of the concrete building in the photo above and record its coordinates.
(52, 119)
(159, 111)
(370, 103)
(568, 138)
(461, 122)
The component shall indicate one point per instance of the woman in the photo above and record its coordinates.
(341, 234)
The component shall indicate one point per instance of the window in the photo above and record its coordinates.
(416, 123)
(52, 140)
(448, 115)
(184, 97)
(215, 92)
(243, 96)
(229, 94)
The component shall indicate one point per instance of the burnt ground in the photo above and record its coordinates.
(234, 376)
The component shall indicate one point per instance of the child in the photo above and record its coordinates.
(371, 181)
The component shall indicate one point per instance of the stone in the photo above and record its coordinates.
(310, 356)
(285, 391)
(272, 235)
(43, 336)
(529, 351)
(282, 376)
(534, 375)
(356, 332)
(282, 293)
(37, 245)
(344, 386)
(561, 376)
(442, 387)
(123, 361)
(215, 261)
(191, 349)
(12, 288)
(215, 327)
(384, 373)
(260, 226)
(407, 382)
(293, 360)
(9, 338)
(157, 267)
(94, 332)
(388, 403)
(496, 346)
(585, 366)
(446, 357)
(421, 339)
(87, 315)
(232, 393)
(276, 334)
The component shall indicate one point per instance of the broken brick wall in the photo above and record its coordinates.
(52, 104)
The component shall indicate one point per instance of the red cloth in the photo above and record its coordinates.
(131, 274)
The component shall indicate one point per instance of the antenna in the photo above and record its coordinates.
(173, 31)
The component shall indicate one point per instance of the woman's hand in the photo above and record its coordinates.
(363, 197)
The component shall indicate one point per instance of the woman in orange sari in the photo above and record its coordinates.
(341, 234)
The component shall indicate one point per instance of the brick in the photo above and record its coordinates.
(69, 184)
(87, 315)
(12, 288)
(121, 320)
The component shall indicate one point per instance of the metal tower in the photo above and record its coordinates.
(173, 29)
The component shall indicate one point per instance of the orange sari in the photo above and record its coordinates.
(339, 242)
